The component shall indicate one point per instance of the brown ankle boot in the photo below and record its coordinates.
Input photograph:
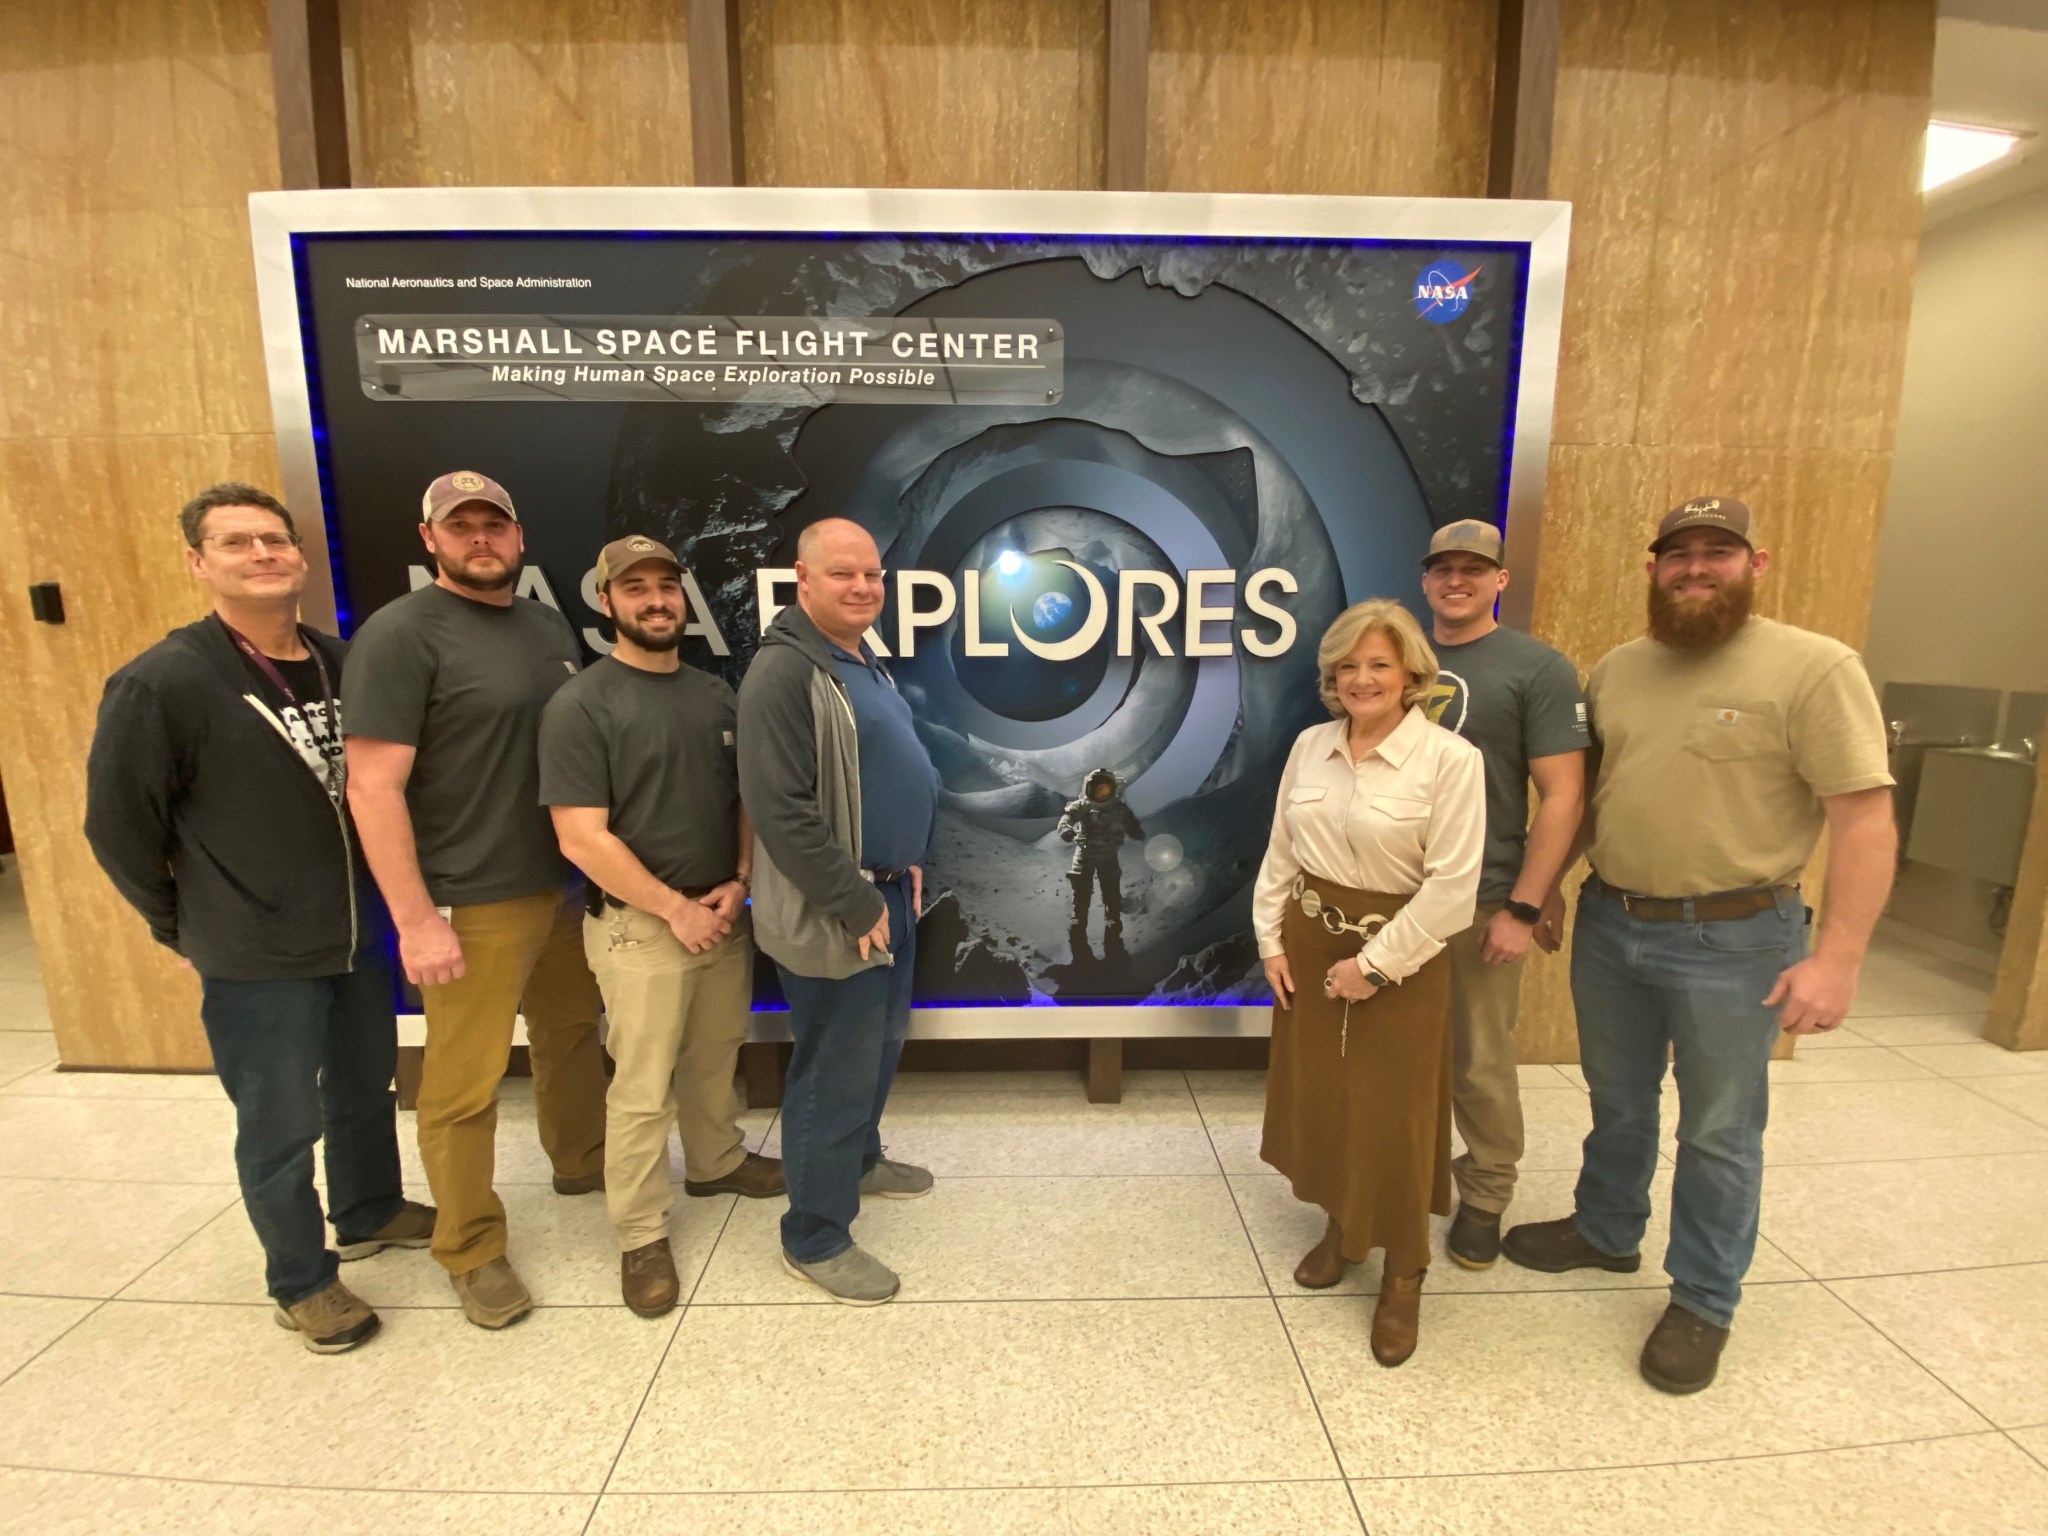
(1323, 1265)
(1397, 1320)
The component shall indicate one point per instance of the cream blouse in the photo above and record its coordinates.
(1410, 817)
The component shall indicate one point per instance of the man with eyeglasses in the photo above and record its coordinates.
(1723, 744)
(215, 802)
(445, 691)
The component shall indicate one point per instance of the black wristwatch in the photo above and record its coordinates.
(1522, 912)
(1375, 977)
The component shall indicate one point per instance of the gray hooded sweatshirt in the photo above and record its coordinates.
(800, 782)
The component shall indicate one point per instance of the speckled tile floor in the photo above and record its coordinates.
(1097, 1333)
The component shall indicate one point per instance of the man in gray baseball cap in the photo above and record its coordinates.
(1723, 744)
(640, 770)
(1518, 701)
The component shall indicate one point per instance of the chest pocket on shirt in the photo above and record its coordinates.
(1401, 808)
(1733, 730)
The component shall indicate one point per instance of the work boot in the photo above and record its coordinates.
(647, 1278)
(1323, 1265)
(1397, 1320)
(754, 1178)
(493, 1296)
(1555, 1246)
(856, 1277)
(896, 1181)
(331, 1321)
(412, 1227)
(587, 1184)
(1474, 1239)
(1683, 1352)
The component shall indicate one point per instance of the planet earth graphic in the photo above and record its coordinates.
(1050, 609)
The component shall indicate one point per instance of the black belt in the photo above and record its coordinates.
(882, 876)
(1716, 907)
(596, 901)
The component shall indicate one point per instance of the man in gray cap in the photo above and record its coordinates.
(638, 766)
(1723, 744)
(442, 699)
(1518, 701)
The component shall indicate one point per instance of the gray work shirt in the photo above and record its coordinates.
(463, 683)
(656, 750)
(1514, 698)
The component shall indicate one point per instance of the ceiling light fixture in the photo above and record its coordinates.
(1956, 149)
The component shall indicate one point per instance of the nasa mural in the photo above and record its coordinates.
(1120, 487)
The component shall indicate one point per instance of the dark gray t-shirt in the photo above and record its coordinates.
(464, 683)
(656, 749)
(1513, 698)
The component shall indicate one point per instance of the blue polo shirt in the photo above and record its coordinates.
(899, 788)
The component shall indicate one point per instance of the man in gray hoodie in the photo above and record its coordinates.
(843, 797)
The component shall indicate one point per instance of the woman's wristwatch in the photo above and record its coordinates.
(1373, 976)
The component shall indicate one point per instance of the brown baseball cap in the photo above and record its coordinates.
(1706, 512)
(461, 487)
(621, 555)
(1470, 537)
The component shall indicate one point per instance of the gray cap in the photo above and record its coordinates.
(1470, 537)
(1706, 512)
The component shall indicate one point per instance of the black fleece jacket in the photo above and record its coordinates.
(209, 822)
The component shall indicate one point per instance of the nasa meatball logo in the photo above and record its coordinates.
(1443, 291)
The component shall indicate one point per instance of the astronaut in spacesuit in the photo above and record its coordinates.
(1097, 825)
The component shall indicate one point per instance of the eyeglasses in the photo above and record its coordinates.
(242, 543)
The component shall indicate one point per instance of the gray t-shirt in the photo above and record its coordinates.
(655, 749)
(1513, 698)
(464, 683)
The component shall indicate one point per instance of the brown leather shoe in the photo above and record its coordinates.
(1683, 1352)
(647, 1278)
(756, 1178)
(1555, 1246)
(585, 1184)
(1397, 1320)
(1323, 1265)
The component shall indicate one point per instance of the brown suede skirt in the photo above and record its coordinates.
(1360, 1119)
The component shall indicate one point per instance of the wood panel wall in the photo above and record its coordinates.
(1745, 219)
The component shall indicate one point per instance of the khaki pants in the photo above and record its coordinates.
(519, 956)
(675, 1023)
(1486, 1095)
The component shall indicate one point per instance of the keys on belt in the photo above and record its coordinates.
(1716, 907)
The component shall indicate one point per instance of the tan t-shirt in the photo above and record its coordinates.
(1713, 763)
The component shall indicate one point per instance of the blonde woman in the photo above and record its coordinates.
(1373, 865)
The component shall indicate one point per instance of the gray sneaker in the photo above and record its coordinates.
(855, 1277)
(896, 1181)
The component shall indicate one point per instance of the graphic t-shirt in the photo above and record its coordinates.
(1514, 698)
(656, 750)
(317, 738)
(464, 683)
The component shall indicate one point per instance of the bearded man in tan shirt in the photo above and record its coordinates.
(1722, 744)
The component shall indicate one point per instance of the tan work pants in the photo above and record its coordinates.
(519, 956)
(1486, 1095)
(674, 1023)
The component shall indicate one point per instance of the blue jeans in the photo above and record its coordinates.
(849, 1037)
(1698, 988)
(300, 1059)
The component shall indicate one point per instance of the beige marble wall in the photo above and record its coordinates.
(1745, 188)
(130, 374)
